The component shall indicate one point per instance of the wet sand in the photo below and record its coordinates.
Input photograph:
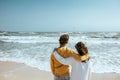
(19, 71)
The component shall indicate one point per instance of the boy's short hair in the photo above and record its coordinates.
(64, 39)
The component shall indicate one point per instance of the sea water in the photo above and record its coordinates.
(34, 48)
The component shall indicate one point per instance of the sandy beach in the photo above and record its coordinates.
(19, 71)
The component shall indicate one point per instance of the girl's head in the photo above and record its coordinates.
(64, 39)
(81, 48)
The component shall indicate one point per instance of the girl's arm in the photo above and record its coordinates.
(67, 61)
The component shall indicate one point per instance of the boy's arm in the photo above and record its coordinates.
(78, 57)
(52, 64)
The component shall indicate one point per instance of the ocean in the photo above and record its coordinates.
(34, 48)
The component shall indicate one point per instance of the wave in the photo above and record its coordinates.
(37, 51)
(49, 34)
(57, 34)
(27, 39)
(42, 39)
(42, 63)
(105, 35)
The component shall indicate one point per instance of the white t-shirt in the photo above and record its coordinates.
(79, 70)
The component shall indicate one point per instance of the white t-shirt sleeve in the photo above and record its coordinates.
(67, 61)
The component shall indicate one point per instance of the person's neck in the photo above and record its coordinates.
(62, 45)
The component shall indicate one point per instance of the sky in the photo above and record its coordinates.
(60, 15)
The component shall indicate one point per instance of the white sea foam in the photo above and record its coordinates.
(41, 39)
(105, 52)
(27, 39)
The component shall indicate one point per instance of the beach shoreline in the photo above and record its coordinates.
(20, 71)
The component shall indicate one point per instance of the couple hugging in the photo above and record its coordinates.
(63, 57)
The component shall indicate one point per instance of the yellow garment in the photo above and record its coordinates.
(60, 69)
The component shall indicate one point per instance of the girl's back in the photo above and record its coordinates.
(80, 70)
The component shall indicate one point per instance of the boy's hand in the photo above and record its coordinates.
(85, 57)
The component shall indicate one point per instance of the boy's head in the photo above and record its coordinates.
(81, 48)
(64, 39)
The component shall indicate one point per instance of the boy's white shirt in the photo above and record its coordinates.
(79, 70)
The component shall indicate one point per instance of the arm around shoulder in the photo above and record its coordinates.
(78, 57)
(62, 60)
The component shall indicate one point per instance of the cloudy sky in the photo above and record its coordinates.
(60, 15)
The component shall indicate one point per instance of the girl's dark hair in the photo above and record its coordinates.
(64, 39)
(81, 48)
